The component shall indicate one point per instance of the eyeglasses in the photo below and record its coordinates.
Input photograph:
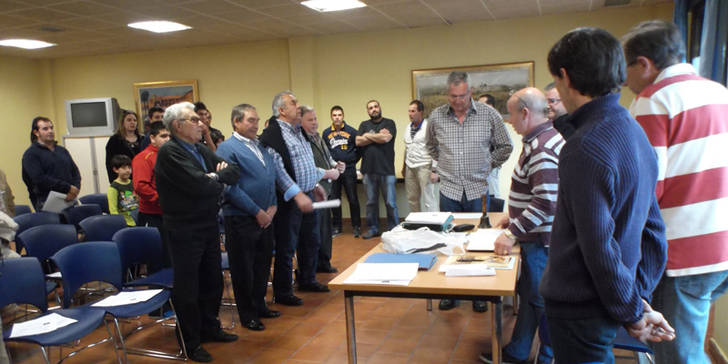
(459, 97)
(553, 101)
(193, 119)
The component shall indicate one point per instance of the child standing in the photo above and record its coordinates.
(122, 199)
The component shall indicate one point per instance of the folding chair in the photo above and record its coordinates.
(74, 214)
(21, 281)
(22, 209)
(27, 221)
(97, 198)
(100, 261)
(142, 245)
(43, 241)
(101, 227)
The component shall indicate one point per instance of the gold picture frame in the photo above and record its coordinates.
(499, 80)
(163, 94)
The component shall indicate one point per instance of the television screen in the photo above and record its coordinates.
(88, 114)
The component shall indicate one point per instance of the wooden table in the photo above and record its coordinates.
(432, 284)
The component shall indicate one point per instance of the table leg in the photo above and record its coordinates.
(350, 335)
(496, 314)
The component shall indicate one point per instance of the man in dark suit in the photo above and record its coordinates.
(190, 181)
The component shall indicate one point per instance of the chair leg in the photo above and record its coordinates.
(183, 348)
(113, 342)
(121, 340)
(429, 304)
(45, 354)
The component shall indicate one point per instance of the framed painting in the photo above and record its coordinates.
(499, 80)
(163, 94)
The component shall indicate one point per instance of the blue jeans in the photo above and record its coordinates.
(582, 340)
(384, 183)
(685, 303)
(533, 256)
(464, 205)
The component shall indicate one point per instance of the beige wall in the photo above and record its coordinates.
(720, 329)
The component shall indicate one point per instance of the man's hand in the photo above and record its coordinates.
(340, 166)
(434, 177)
(385, 131)
(72, 193)
(220, 166)
(263, 219)
(503, 244)
(319, 193)
(502, 223)
(271, 211)
(303, 202)
(332, 174)
(651, 327)
(205, 129)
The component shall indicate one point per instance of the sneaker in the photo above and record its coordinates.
(371, 234)
(335, 231)
(357, 231)
(505, 359)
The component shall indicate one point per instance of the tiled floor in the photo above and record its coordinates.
(388, 330)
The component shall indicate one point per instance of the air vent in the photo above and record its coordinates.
(51, 29)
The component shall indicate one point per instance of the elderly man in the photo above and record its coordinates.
(531, 207)
(190, 180)
(608, 246)
(421, 191)
(466, 139)
(294, 225)
(48, 166)
(693, 186)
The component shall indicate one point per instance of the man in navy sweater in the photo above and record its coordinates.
(608, 248)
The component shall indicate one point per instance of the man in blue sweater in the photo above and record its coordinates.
(608, 248)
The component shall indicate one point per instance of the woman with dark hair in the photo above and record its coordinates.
(126, 140)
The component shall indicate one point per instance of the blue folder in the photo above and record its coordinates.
(426, 261)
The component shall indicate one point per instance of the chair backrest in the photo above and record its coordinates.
(75, 214)
(87, 262)
(22, 209)
(22, 281)
(45, 240)
(101, 227)
(139, 245)
(98, 199)
(27, 221)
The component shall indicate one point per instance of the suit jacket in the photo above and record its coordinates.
(186, 194)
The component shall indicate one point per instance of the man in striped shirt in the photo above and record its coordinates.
(685, 118)
(531, 207)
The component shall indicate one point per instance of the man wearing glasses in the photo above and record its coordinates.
(557, 110)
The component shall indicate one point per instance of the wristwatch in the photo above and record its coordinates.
(509, 235)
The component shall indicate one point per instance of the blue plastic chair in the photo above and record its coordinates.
(100, 261)
(97, 198)
(22, 209)
(43, 241)
(75, 214)
(142, 245)
(27, 221)
(21, 282)
(101, 227)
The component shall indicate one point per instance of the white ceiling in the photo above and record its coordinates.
(87, 27)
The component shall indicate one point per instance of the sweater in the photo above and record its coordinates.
(342, 144)
(608, 246)
(144, 184)
(685, 117)
(46, 170)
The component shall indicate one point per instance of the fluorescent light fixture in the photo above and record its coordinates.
(159, 26)
(333, 5)
(25, 43)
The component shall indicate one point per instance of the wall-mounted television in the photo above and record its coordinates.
(92, 117)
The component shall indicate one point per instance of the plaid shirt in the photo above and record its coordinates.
(463, 154)
(307, 175)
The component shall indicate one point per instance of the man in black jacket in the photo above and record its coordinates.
(190, 181)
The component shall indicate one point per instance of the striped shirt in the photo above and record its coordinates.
(685, 118)
(534, 185)
(463, 154)
(307, 175)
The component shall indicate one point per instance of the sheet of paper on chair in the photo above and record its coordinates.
(329, 204)
(384, 273)
(40, 325)
(483, 239)
(56, 202)
(54, 275)
(127, 298)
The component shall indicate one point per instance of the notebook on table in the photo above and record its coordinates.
(426, 261)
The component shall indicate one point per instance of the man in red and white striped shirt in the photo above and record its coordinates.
(685, 118)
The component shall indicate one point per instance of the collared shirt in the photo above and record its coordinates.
(307, 175)
(192, 149)
(253, 146)
(463, 154)
(285, 183)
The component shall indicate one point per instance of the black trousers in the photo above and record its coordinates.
(324, 254)
(154, 220)
(348, 180)
(249, 249)
(198, 285)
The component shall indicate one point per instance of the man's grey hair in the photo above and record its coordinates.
(534, 101)
(278, 101)
(458, 77)
(549, 87)
(239, 112)
(176, 112)
(304, 109)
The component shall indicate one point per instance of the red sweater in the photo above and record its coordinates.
(144, 183)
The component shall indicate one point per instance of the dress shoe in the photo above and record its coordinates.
(313, 287)
(328, 269)
(199, 354)
(220, 337)
(270, 314)
(446, 304)
(289, 300)
(254, 325)
(370, 234)
(480, 306)
(357, 231)
(335, 231)
(505, 359)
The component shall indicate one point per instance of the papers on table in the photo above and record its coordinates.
(483, 239)
(465, 270)
(432, 218)
(56, 202)
(40, 325)
(483, 265)
(127, 298)
(467, 215)
(329, 204)
(398, 274)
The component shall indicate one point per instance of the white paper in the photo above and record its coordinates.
(435, 218)
(127, 298)
(483, 239)
(467, 215)
(470, 270)
(384, 273)
(54, 275)
(56, 202)
(40, 325)
(328, 204)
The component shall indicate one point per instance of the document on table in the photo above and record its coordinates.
(398, 274)
(483, 240)
(56, 202)
(465, 270)
(127, 298)
(490, 261)
(467, 215)
(40, 325)
(329, 204)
